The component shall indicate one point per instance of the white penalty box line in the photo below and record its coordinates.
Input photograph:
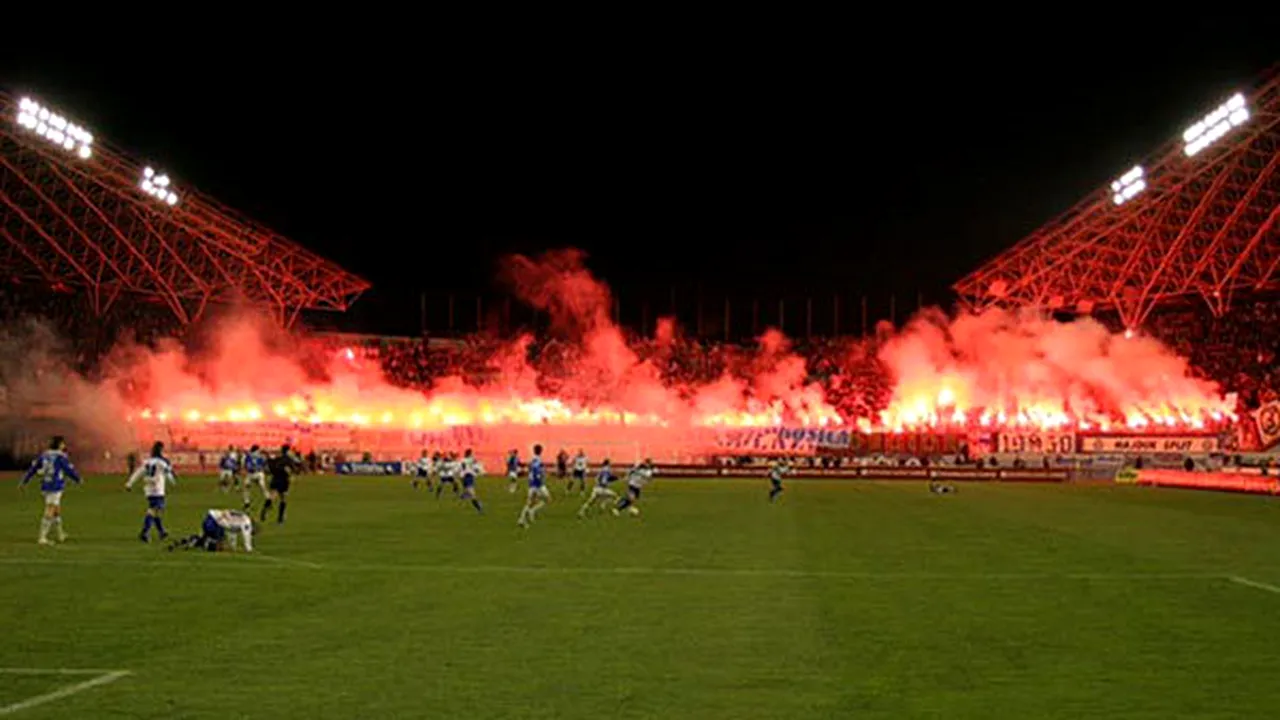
(99, 678)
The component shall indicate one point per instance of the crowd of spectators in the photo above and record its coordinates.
(1238, 350)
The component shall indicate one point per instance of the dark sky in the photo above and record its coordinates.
(820, 170)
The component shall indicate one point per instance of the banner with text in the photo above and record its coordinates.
(1036, 442)
(913, 444)
(783, 439)
(1139, 445)
(369, 468)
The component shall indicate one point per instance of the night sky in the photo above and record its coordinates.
(773, 173)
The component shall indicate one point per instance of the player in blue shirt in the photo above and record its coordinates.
(513, 470)
(228, 468)
(54, 468)
(470, 469)
(158, 473)
(255, 473)
(601, 494)
(538, 493)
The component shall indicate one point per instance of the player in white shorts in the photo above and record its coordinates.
(601, 493)
(579, 472)
(54, 468)
(538, 494)
(255, 468)
(228, 466)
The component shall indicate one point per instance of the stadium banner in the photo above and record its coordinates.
(1267, 418)
(1035, 475)
(784, 439)
(185, 460)
(879, 443)
(369, 468)
(1143, 444)
(1036, 442)
(874, 472)
(967, 473)
(1226, 482)
(1126, 476)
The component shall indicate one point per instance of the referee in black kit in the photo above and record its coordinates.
(281, 467)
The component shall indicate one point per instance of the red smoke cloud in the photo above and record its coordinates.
(990, 369)
(1001, 368)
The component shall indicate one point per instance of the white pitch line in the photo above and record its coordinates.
(278, 562)
(57, 671)
(110, 677)
(287, 561)
(1254, 584)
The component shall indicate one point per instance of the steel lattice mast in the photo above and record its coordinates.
(1205, 225)
(80, 222)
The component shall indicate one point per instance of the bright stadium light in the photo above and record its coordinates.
(1204, 133)
(157, 186)
(1129, 184)
(54, 128)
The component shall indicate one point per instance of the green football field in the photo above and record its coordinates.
(845, 599)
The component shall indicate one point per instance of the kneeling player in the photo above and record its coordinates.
(637, 478)
(601, 494)
(220, 531)
(938, 487)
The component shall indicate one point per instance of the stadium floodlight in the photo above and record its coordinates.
(1204, 133)
(54, 128)
(157, 186)
(1129, 184)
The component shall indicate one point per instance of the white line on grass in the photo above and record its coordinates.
(287, 561)
(1253, 584)
(103, 677)
(58, 671)
(278, 562)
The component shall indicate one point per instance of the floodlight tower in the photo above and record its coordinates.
(76, 212)
(1200, 217)
(157, 186)
(54, 128)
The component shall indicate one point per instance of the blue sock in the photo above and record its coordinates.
(476, 504)
(626, 503)
(146, 524)
(159, 525)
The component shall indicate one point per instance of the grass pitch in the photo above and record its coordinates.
(846, 599)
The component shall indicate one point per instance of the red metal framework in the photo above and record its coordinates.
(1205, 226)
(64, 220)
